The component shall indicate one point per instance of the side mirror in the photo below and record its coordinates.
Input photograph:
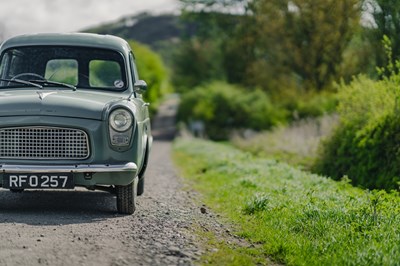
(140, 86)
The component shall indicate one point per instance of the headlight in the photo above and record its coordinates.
(120, 120)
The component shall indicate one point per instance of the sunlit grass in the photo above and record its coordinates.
(293, 217)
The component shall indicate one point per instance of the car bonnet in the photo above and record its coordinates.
(62, 103)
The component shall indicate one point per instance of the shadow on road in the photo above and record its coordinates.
(56, 207)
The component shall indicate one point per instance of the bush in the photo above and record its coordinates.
(366, 144)
(223, 107)
(317, 105)
(302, 104)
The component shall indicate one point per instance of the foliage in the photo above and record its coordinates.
(223, 107)
(386, 22)
(366, 144)
(151, 69)
(305, 38)
(307, 104)
(196, 63)
(280, 44)
(294, 217)
(392, 69)
(201, 58)
(358, 57)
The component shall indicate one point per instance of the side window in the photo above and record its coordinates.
(62, 70)
(106, 74)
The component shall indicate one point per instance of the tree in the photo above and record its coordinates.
(197, 62)
(305, 39)
(275, 44)
(200, 59)
(386, 22)
(291, 49)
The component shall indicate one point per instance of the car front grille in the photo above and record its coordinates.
(47, 143)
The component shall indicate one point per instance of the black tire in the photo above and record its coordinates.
(126, 198)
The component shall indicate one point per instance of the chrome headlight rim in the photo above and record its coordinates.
(120, 119)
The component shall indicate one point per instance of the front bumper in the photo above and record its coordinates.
(87, 175)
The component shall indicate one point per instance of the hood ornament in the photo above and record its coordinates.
(43, 95)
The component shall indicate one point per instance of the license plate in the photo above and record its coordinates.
(60, 180)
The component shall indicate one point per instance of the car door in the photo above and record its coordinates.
(143, 107)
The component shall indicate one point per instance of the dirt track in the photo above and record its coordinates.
(82, 227)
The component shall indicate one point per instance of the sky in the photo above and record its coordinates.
(38, 16)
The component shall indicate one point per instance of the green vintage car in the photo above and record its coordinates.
(72, 114)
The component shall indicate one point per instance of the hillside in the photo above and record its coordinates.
(146, 28)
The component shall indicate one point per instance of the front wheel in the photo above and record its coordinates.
(126, 197)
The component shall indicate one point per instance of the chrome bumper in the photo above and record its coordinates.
(79, 168)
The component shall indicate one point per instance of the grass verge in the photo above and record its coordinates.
(293, 217)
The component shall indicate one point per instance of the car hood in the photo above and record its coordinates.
(81, 104)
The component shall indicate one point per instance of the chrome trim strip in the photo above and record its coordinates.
(79, 168)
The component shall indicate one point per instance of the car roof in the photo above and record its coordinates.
(68, 39)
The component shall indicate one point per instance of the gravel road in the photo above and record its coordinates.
(83, 228)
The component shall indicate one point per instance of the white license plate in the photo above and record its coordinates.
(20, 181)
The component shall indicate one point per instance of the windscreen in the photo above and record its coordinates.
(77, 66)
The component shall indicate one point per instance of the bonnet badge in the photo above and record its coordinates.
(43, 95)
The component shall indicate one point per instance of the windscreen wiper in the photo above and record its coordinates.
(20, 81)
(50, 82)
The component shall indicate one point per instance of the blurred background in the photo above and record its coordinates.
(272, 77)
(24, 16)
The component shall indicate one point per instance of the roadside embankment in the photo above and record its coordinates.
(291, 216)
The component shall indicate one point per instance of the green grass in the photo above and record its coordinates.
(223, 252)
(292, 217)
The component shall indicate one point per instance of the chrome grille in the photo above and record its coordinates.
(43, 143)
